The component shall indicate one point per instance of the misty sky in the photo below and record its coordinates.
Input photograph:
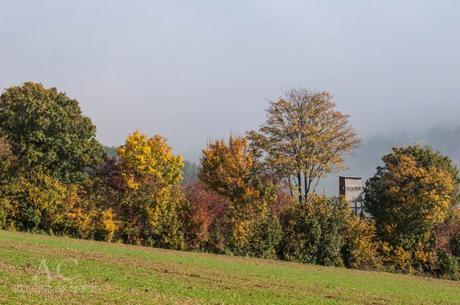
(198, 70)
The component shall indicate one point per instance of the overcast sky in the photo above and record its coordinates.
(198, 70)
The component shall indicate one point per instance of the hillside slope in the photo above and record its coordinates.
(37, 269)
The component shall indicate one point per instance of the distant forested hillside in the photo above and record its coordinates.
(111, 151)
(190, 172)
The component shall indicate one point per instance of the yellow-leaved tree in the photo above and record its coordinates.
(150, 200)
(408, 198)
(144, 159)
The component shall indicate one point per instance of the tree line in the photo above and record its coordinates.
(255, 196)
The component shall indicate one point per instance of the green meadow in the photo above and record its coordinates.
(39, 269)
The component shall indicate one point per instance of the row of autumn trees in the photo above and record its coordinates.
(255, 195)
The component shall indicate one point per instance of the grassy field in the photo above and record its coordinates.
(37, 269)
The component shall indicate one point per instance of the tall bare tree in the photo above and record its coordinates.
(303, 139)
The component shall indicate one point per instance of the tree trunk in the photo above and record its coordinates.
(299, 178)
(307, 185)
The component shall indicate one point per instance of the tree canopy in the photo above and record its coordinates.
(6, 159)
(408, 197)
(228, 169)
(48, 131)
(412, 192)
(303, 139)
(144, 158)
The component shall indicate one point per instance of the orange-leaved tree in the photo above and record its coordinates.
(228, 169)
(246, 226)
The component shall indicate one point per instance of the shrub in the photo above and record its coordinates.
(360, 249)
(257, 237)
(106, 226)
(150, 216)
(198, 212)
(265, 237)
(8, 206)
(39, 202)
(455, 245)
(314, 232)
(448, 266)
(5, 213)
(168, 232)
(195, 221)
(445, 233)
(75, 217)
(218, 235)
(419, 259)
(36, 202)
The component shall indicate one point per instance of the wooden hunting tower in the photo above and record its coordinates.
(352, 189)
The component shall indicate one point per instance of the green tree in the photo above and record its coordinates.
(265, 237)
(7, 176)
(48, 132)
(303, 139)
(7, 161)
